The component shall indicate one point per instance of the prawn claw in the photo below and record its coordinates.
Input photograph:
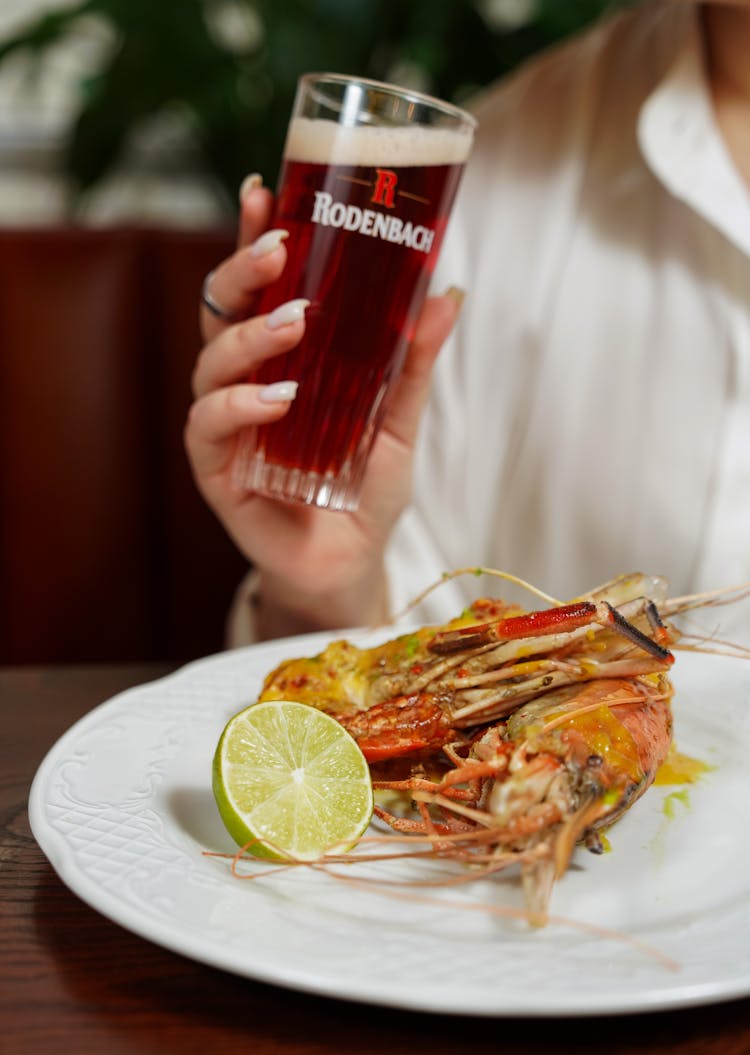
(564, 618)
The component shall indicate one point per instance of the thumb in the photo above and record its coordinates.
(436, 320)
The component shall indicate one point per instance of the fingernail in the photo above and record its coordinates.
(268, 242)
(250, 183)
(278, 392)
(458, 295)
(292, 311)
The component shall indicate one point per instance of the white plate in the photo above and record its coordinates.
(122, 807)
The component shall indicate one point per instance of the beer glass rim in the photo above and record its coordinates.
(449, 109)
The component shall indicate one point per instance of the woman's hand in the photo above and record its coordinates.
(319, 569)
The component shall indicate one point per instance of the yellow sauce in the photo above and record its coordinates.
(670, 802)
(606, 736)
(680, 769)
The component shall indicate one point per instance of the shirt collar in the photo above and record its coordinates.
(683, 147)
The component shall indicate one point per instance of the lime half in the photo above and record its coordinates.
(290, 782)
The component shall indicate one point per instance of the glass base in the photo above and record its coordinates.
(253, 473)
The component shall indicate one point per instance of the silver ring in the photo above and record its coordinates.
(213, 305)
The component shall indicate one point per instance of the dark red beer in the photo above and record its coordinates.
(363, 242)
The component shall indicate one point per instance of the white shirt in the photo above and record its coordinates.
(591, 414)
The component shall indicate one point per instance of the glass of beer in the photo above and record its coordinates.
(368, 178)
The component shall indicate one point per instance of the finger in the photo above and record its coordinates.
(240, 349)
(215, 421)
(233, 286)
(435, 323)
(256, 206)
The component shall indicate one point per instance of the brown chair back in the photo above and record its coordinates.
(107, 551)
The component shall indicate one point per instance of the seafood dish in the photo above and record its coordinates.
(511, 735)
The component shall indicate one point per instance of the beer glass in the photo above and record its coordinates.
(368, 178)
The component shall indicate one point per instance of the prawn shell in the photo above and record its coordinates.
(613, 733)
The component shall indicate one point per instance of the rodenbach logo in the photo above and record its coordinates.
(385, 188)
(373, 222)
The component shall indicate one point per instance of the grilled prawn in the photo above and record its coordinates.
(413, 693)
(527, 791)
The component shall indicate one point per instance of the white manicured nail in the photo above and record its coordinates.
(250, 183)
(268, 242)
(458, 296)
(278, 392)
(292, 311)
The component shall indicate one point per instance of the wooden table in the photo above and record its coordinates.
(73, 982)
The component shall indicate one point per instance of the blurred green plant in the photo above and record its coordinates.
(228, 68)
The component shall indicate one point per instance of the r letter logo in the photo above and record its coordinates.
(385, 188)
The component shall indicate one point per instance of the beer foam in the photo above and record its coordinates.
(319, 142)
